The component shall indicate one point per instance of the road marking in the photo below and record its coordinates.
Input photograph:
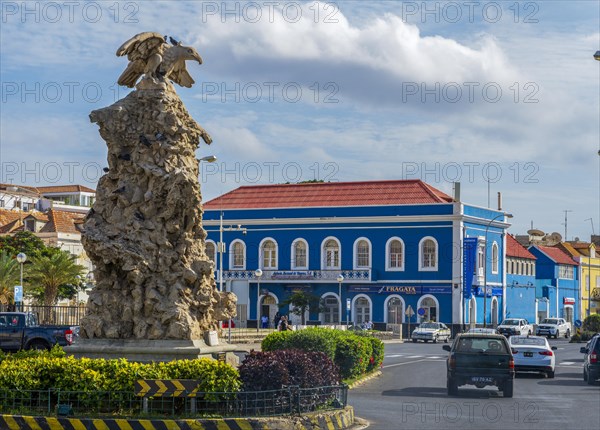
(415, 356)
(434, 358)
(402, 364)
(567, 363)
(395, 355)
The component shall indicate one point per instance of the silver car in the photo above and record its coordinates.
(431, 331)
(533, 354)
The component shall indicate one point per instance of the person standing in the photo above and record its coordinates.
(264, 321)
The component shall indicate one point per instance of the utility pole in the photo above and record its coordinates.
(566, 211)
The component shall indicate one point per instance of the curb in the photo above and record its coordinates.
(361, 381)
(340, 419)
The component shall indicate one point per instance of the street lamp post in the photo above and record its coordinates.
(258, 273)
(21, 259)
(485, 265)
(340, 279)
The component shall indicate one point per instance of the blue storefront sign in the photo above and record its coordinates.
(398, 289)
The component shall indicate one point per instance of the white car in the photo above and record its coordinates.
(533, 354)
(554, 327)
(431, 331)
(515, 326)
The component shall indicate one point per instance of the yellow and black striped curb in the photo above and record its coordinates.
(334, 420)
(365, 378)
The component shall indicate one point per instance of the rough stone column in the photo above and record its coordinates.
(144, 234)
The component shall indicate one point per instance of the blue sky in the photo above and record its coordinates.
(345, 91)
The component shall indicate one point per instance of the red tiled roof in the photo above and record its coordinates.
(557, 255)
(65, 189)
(7, 215)
(62, 222)
(372, 193)
(7, 188)
(515, 249)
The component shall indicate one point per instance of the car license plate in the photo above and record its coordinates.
(481, 379)
(528, 354)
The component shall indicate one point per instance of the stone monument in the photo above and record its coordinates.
(155, 296)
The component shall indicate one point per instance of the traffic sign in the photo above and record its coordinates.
(421, 311)
(18, 293)
(578, 323)
(409, 311)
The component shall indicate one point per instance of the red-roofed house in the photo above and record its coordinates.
(394, 242)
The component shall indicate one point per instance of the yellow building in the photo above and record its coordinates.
(589, 266)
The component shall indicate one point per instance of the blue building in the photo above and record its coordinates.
(557, 283)
(521, 299)
(396, 244)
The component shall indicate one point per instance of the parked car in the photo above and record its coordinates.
(431, 331)
(554, 327)
(512, 326)
(481, 360)
(591, 360)
(20, 330)
(533, 354)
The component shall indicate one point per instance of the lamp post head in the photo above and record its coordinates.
(340, 278)
(597, 55)
(258, 273)
(209, 158)
(21, 257)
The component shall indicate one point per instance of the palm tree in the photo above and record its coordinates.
(52, 271)
(9, 277)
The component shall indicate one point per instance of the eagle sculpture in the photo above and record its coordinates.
(149, 54)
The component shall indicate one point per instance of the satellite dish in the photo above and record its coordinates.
(553, 239)
(535, 232)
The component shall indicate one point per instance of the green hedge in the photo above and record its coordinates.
(353, 353)
(52, 369)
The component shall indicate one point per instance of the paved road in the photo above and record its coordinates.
(411, 394)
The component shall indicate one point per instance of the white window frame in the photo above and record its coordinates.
(293, 254)
(232, 256)
(261, 254)
(437, 251)
(324, 254)
(353, 306)
(495, 258)
(355, 253)
(216, 250)
(388, 245)
(385, 307)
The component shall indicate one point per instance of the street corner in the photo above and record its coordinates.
(364, 379)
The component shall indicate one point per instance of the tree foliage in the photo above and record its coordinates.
(9, 277)
(301, 302)
(50, 272)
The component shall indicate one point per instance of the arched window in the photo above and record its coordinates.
(395, 254)
(210, 251)
(238, 255)
(299, 254)
(428, 254)
(430, 306)
(494, 257)
(362, 254)
(331, 254)
(268, 251)
(395, 310)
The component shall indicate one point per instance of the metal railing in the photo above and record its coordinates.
(50, 315)
(286, 401)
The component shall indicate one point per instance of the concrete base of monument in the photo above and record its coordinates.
(145, 351)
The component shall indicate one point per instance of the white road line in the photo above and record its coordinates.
(395, 355)
(567, 363)
(402, 364)
(415, 356)
(433, 358)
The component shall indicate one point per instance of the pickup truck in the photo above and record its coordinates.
(511, 326)
(554, 327)
(20, 330)
(480, 360)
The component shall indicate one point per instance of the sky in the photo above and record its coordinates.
(501, 96)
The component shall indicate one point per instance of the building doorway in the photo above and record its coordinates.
(395, 311)
(429, 306)
(494, 312)
(268, 307)
(331, 310)
(362, 311)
